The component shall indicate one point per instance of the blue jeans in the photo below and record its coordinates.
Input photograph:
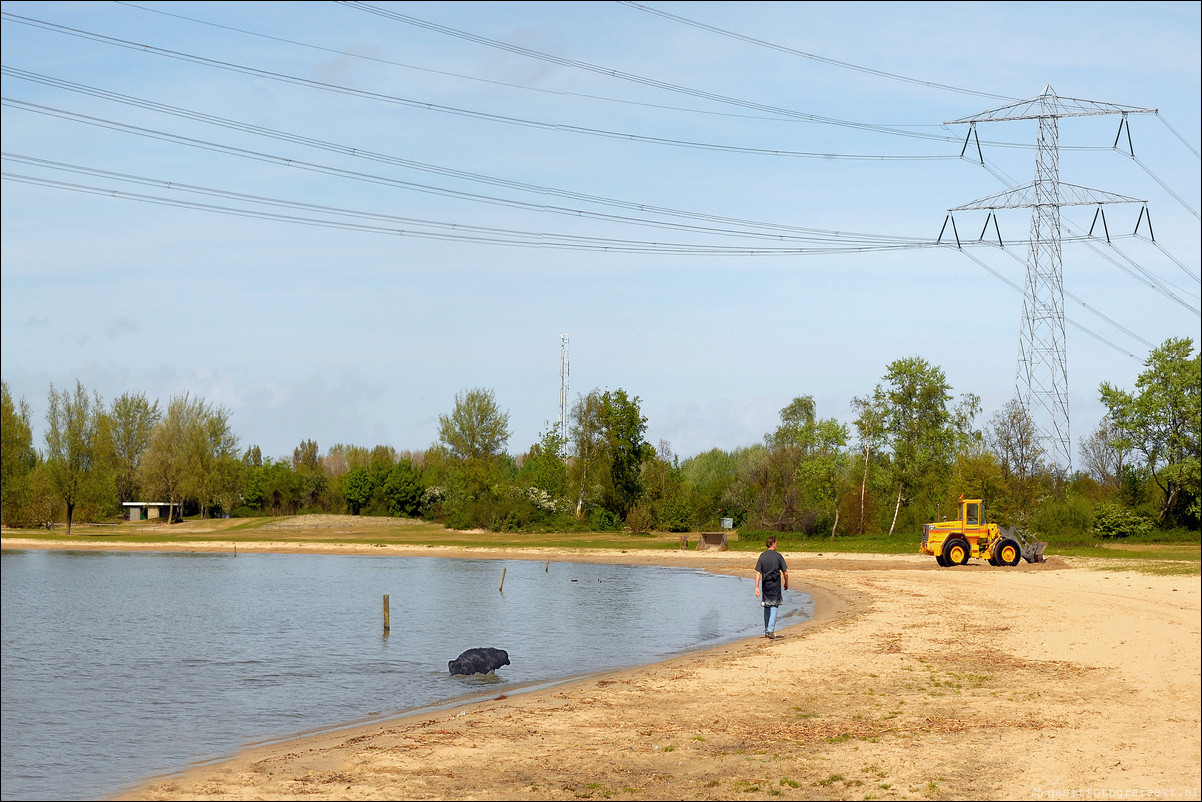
(770, 618)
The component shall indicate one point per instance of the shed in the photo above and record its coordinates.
(147, 510)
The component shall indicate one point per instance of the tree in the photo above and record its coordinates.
(717, 485)
(78, 449)
(968, 440)
(1162, 421)
(796, 428)
(870, 423)
(357, 488)
(667, 498)
(477, 427)
(133, 419)
(587, 434)
(921, 439)
(624, 426)
(1104, 453)
(801, 475)
(166, 471)
(543, 466)
(1014, 439)
(253, 457)
(213, 466)
(270, 486)
(823, 468)
(19, 459)
(403, 489)
(307, 464)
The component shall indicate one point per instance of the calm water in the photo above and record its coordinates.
(118, 666)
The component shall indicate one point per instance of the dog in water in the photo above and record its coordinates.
(479, 661)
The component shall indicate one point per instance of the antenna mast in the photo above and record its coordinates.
(564, 370)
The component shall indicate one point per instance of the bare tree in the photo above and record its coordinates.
(1104, 453)
(1014, 439)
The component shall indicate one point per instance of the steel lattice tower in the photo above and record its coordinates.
(1041, 383)
(563, 393)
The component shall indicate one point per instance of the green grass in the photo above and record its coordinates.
(1180, 553)
(371, 532)
(1134, 551)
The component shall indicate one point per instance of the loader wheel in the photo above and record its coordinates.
(1008, 553)
(956, 551)
(942, 562)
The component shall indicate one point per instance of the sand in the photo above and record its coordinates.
(1070, 679)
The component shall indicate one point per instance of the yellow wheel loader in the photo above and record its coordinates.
(956, 542)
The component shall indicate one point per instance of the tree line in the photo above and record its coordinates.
(911, 450)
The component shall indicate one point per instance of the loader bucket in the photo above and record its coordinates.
(1033, 553)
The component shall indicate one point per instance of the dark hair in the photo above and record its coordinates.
(771, 541)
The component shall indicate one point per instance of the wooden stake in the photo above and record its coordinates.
(502, 588)
(385, 613)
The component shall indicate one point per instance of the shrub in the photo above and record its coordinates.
(1064, 520)
(638, 520)
(1113, 520)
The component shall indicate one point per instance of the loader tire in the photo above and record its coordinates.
(1008, 552)
(956, 551)
(942, 562)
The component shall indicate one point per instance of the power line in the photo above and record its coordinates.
(298, 164)
(446, 73)
(811, 56)
(774, 229)
(453, 231)
(463, 112)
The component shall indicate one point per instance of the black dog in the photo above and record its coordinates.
(479, 661)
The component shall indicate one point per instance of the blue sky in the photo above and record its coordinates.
(723, 206)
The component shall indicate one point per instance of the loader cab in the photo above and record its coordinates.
(972, 511)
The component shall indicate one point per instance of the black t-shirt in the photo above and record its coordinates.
(769, 566)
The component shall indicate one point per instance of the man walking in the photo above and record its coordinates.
(771, 577)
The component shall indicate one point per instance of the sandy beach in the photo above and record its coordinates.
(1069, 679)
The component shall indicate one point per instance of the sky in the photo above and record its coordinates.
(330, 219)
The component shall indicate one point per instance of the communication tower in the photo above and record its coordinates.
(564, 370)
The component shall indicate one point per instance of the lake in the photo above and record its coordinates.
(121, 665)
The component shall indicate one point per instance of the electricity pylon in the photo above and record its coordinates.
(1041, 383)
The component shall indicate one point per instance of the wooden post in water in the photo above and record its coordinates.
(547, 569)
(385, 613)
(502, 588)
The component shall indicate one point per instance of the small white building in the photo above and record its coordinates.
(147, 510)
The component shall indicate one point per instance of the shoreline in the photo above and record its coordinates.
(1055, 680)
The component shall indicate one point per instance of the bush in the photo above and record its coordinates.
(602, 520)
(638, 520)
(1063, 520)
(1113, 520)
